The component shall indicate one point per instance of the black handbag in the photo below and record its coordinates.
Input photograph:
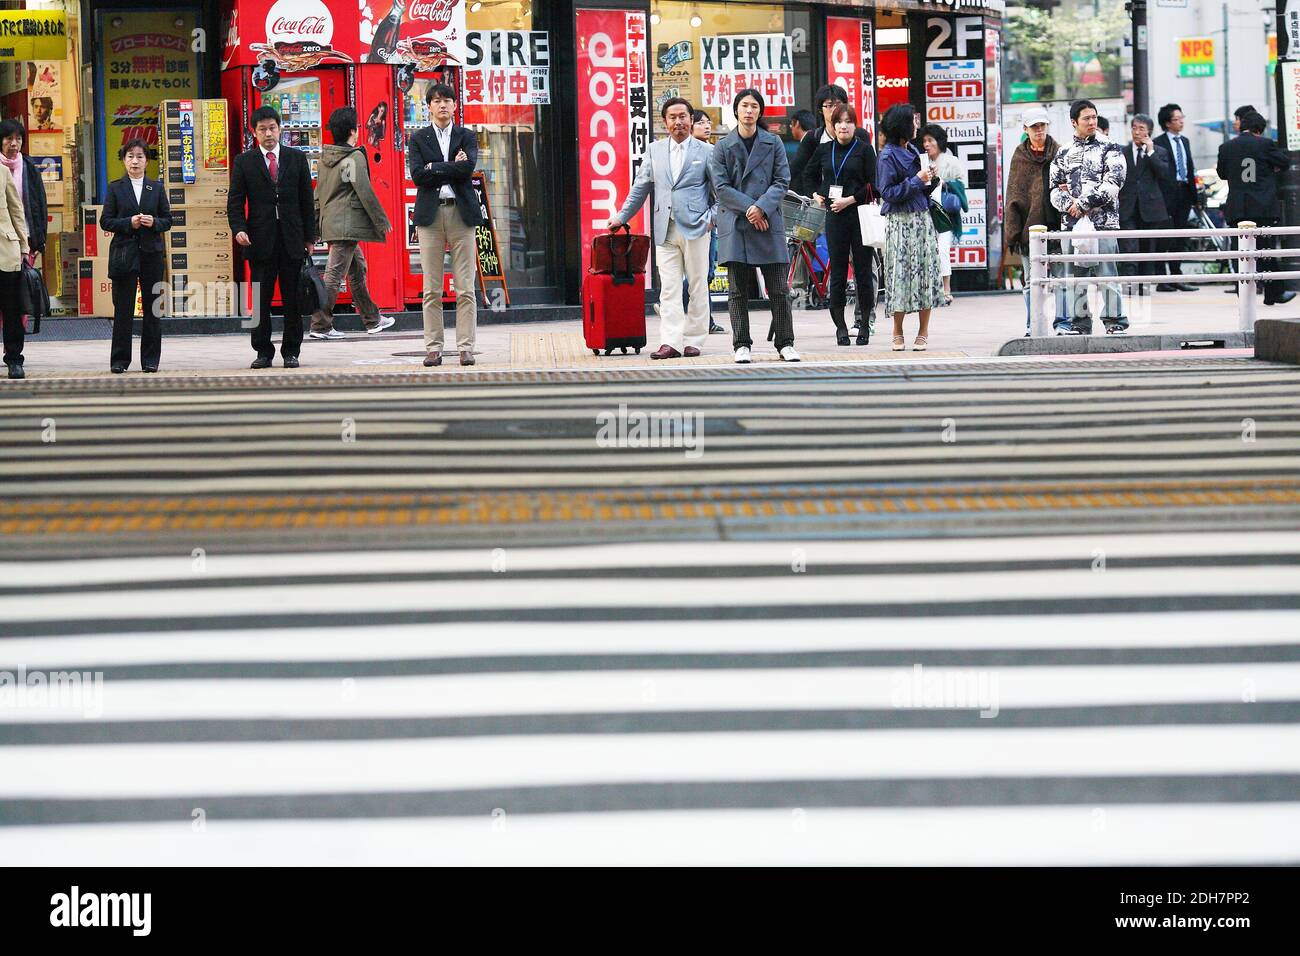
(34, 298)
(311, 288)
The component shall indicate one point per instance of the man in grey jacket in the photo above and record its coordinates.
(678, 169)
(751, 174)
(343, 183)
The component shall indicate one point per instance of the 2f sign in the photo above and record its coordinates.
(954, 37)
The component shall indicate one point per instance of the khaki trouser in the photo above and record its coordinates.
(345, 258)
(449, 229)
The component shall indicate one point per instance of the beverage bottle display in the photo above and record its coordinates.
(284, 106)
(385, 42)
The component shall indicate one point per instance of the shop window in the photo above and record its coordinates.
(706, 51)
(1064, 49)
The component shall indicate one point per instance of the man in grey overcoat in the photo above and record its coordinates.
(751, 174)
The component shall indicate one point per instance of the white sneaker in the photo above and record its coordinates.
(742, 356)
(331, 334)
(385, 322)
(788, 354)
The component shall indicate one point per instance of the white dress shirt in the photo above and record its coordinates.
(676, 159)
(138, 186)
(444, 144)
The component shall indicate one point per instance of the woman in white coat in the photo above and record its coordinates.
(13, 245)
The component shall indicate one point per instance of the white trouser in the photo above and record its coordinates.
(676, 254)
(945, 262)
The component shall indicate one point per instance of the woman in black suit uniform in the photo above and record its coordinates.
(846, 167)
(137, 213)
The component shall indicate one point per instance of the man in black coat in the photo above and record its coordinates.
(1249, 163)
(1180, 191)
(277, 232)
(441, 158)
(1141, 200)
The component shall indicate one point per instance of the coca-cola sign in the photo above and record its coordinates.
(438, 13)
(293, 20)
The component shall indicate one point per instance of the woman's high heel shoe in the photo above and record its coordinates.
(899, 345)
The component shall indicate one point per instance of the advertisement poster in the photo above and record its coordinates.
(33, 35)
(955, 99)
(673, 66)
(147, 58)
(614, 99)
(287, 36)
(427, 33)
(760, 61)
(507, 73)
(44, 97)
(851, 65)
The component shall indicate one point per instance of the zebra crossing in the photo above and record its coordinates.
(408, 620)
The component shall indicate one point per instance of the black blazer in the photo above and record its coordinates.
(34, 206)
(132, 249)
(805, 176)
(858, 172)
(1249, 164)
(1178, 194)
(1143, 193)
(291, 195)
(430, 171)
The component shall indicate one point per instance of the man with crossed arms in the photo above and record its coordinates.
(678, 169)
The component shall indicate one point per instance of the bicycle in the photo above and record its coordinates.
(804, 222)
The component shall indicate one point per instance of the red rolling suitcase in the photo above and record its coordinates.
(613, 294)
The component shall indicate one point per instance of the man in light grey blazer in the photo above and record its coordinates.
(678, 170)
(751, 174)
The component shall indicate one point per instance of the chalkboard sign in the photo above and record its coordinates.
(490, 266)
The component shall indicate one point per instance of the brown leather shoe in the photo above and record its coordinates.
(433, 358)
(665, 352)
(466, 358)
(691, 351)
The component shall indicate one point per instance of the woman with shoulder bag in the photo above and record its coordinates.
(952, 174)
(137, 213)
(13, 247)
(847, 171)
(912, 281)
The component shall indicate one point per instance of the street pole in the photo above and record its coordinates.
(1137, 9)
(1227, 105)
(1289, 179)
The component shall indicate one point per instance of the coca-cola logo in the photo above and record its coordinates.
(290, 20)
(437, 12)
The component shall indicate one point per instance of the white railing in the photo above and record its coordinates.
(1040, 282)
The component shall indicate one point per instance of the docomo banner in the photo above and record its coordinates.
(851, 65)
(613, 101)
(760, 61)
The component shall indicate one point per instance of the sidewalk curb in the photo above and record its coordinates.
(1081, 344)
(1278, 340)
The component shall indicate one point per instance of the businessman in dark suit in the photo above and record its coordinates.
(1249, 163)
(277, 231)
(1180, 191)
(1142, 200)
(441, 158)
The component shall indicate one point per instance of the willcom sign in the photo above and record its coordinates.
(1196, 56)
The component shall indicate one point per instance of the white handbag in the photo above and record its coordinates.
(872, 223)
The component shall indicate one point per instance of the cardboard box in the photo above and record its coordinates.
(200, 278)
(191, 295)
(198, 240)
(222, 261)
(94, 289)
(172, 170)
(200, 217)
(95, 240)
(208, 195)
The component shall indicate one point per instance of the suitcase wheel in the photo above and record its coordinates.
(609, 351)
(624, 350)
(595, 351)
(638, 351)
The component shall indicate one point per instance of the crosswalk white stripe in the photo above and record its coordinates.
(1084, 835)
(505, 592)
(416, 641)
(987, 690)
(705, 555)
(376, 766)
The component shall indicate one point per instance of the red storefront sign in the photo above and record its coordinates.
(892, 82)
(851, 64)
(614, 125)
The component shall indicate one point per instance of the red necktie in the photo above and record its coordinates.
(272, 167)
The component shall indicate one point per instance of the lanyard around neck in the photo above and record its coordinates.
(840, 168)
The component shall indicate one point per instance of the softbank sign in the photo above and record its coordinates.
(612, 93)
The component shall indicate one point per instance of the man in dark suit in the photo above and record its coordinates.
(1180, 192)
(1141, 199)
(277, 231)
(1249, 163)
(442, 157)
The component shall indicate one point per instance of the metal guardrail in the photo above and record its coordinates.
(1247, 253)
